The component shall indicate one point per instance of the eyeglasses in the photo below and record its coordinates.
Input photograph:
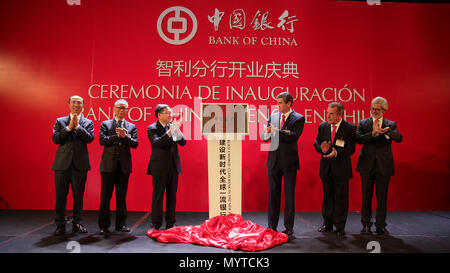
(375, 109)
(167, 113)
(122, 108)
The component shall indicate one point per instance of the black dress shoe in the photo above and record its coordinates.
(382, 231)
(123, 229)
(325, 229)
(169, 226)
(103, 231)
(366, 230)
(340, 233)
(60, 230)
(288, 232)
(152, 226)
(273, 228)
(79, 228)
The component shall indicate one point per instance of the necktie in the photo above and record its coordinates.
(378, 123)
(119, 123)
(333, 132)
(283, 120)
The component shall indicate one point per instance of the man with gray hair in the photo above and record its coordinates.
(118, 136)
(336, 141)
(376, 163)
(72, 133)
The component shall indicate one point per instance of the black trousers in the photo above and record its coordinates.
(168, 184)
(335, 202)
(369, 181)
(275, 178)
(76, 179)
(119, 180)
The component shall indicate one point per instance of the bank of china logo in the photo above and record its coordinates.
(177, 25)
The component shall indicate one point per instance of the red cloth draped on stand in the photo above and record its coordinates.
(230, 232)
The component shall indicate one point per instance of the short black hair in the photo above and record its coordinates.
(159, 108)
(338, 105)
(287, 97)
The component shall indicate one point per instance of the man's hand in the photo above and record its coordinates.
(376, 130)
(332, 154)
(325, 146)
(121, 132)
(172, 127)
(385, 130)
(175, 126)
(73, 122)
(177, 122)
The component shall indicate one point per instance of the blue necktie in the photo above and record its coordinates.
(119, 124)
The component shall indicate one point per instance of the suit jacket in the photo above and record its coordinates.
(376, 147)
(283, 145)
(341, 165)
(72, 145)
(164, 150)
(117, 148)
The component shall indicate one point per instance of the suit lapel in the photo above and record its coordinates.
(289, 118)
(340, 131)
(160, 128)
(328, 132)
(81, 121)
(113, 125)
(67, 120)
(384, 123)
(126, 125)
(370, 124)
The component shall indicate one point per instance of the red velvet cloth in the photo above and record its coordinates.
(230, 232)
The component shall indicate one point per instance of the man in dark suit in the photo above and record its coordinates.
(376, 163)
(283, 130)
(118, 136)
(164, 164)
(71, 163)
(336, 141)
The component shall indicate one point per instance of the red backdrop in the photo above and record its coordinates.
(53, 49)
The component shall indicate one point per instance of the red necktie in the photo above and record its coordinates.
(333, 132)
(283, 119)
